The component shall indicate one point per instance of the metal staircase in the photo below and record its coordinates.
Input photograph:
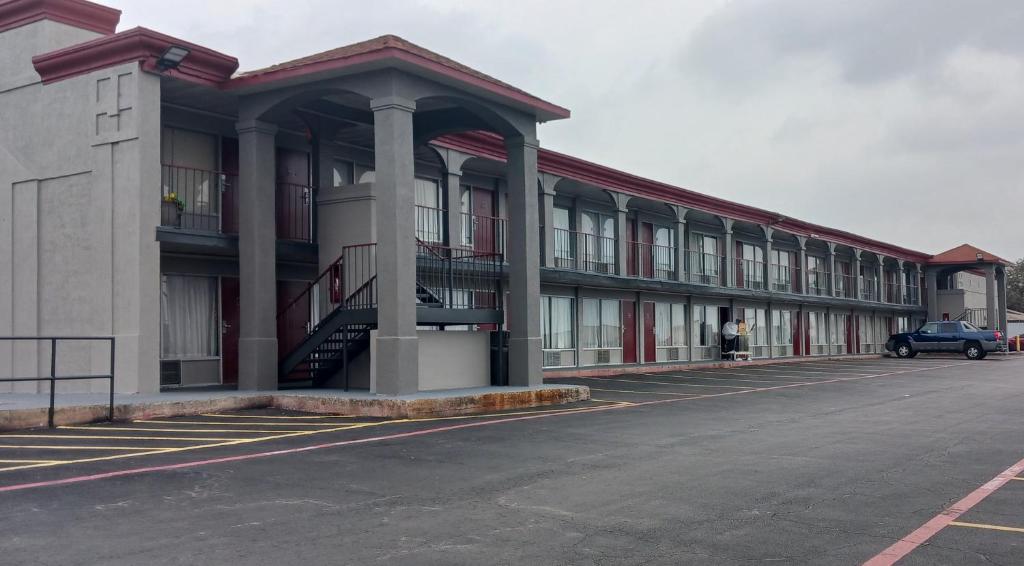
(327, 326)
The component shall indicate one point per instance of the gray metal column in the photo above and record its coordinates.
(524, 263)
(1001, 286)
(901, 283)
(622, 241)
(932, 281)
(857, 283)
(769, 233)
(257, 270)
(453, 208)
(917, 282)
(832, 268)
(397, 351)
(730, 253)
(547, 183)
(880, 285)
(802, 241)
(990, 297)
(680, 242)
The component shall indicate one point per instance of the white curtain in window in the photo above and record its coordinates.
(189, 318)
(611, 327)
(663, 324)
(678, 324)
(558, 323)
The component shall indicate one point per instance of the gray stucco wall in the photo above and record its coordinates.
(77, 249)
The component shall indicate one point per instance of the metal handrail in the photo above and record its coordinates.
(53, 378)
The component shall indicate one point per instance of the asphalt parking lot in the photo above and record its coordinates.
(818, 462)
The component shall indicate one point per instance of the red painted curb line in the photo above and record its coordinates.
(911, 542)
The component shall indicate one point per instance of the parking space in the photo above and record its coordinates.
(810, 462)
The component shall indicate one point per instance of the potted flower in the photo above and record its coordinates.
(171, 209)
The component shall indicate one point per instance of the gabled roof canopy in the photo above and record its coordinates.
(966, 254)
(393, 51)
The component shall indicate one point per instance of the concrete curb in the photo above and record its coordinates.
(654, 368)
(17, 419)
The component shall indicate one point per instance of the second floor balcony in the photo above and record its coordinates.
(584, 252)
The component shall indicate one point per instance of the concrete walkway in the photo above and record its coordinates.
(23, 410)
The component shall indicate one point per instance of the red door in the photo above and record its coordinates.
(646, 249)
(229, 329)
(229, 198)
(798, 340)
(850, 339)
(856, 332)
(293, 195)
(628, 332)
(485, 226)
(650, 346)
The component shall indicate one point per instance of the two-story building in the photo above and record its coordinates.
(377, 216)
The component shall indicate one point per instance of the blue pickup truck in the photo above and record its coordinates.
(945, 336)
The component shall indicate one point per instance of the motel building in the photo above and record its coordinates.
(380, 217)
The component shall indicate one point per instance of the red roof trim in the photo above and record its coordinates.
(77, 13)
(272, 76)
(203, 66)
(491, 146)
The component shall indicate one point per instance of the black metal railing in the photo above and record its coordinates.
(751, 274)
(651, 261)
(817, 282)
(349, 282)
(457, 278)
(706, 268)
(196, 199)
(53, 378)
(483, 233)
(430, 224)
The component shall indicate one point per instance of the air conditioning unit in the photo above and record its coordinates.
(672, 354)
(552, 359)
(603, 356)
(170, 372)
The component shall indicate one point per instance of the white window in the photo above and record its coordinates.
(563, 238)
(751, 265)
(429, 214)
(756, 321)
(189, 317)
(598, 241)
(558, 331)
(600, 331)
(817, 330)
(343, 172)
(190, 177)
(664, 252)
(838, 332)
(782, 332)
(706, 332)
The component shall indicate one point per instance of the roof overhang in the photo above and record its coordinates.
(487, 145)
(391, 57)
(77, 13)
(202, 65)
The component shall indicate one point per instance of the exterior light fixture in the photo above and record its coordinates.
(979, 256)
(172, 57)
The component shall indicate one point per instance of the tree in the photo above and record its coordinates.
(1015, 286)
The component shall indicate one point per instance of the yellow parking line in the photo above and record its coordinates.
(240, 424)
(278, 416)
(103, 428)
(112, 437)
(1018, 479)
(184, 448)
(62, 447)
(28, 461)
(988, 527)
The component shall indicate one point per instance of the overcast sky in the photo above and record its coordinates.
(901, 120)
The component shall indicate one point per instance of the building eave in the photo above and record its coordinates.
(202, 65)
(77, 13)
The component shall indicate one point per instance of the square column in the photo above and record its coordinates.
(730, 253)
(901, 283)
(880, 286)
(992, 317)
(680, 244)
(932, 282)
(453, 209)
(524, 264)
(257, 256)
(769, 233)
(832, 268)
(919, 300)
(1001, 287)
(857, 283)
(397, 361)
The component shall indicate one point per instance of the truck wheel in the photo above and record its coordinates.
(973, 351)
(903, 350)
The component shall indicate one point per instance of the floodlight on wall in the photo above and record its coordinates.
(979, 256)
(172, 57)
